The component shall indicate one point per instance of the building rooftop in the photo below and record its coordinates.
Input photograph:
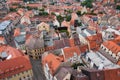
(115, 48)
(35, 41)
(100, 61)
(10, 51)
(69, 52)
(14, 66)
(52, 61)
(4, 25)
(13, 61)
(63, 72)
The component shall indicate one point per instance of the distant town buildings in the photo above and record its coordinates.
(59, 40)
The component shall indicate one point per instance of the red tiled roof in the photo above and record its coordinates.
(10, 51)
(17, 32)
(14, 66)
(98, 36)
(69, 52)
(117, 38)
(119, 15)
(74, 16)
(65, 24)
(42, 18)
(11, 16)
(72, 42)
(52, 61)
(14, 7)
(34, 5)
(29, 13)
(25, 20)
(112, 46)
(14, 1)
(118, 62)
(20, 11)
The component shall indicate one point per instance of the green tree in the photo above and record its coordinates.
(52, 3)
(118, 7)
(79, 24)
(13, 9)
(53, 13)
(78, 13)
(42, 9)
(87, 3)
(29, 8)
(60, 18)
(68, 17)
(78, 0)
(115, 1)
(43, 13)
(75, 65)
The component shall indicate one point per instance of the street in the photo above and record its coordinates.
(37, 70)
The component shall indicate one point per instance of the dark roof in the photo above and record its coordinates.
(61, 28)
(4, 25)
(84, 35)
(90, 31)
(61, 43)
(63, 71)
(20, 39)
(78, 76)
(35, 42)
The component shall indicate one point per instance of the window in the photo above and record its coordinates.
(105, 49)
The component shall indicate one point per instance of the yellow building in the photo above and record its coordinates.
(35, 45)
(43, 26)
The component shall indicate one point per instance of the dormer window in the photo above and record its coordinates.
(3, 55)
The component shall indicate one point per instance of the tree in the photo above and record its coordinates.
(29, 8)
(79, 24)
(53, 13)
(43, 13)
(118, 7)
(78, 13)
(60, 18)
(75, 65)
(52, 3)
(42, 9)
(115, 1)
(13, 10)
(68, 17)
(87, 3)
(78, 0)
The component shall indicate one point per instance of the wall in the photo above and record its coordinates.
(21, 75)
